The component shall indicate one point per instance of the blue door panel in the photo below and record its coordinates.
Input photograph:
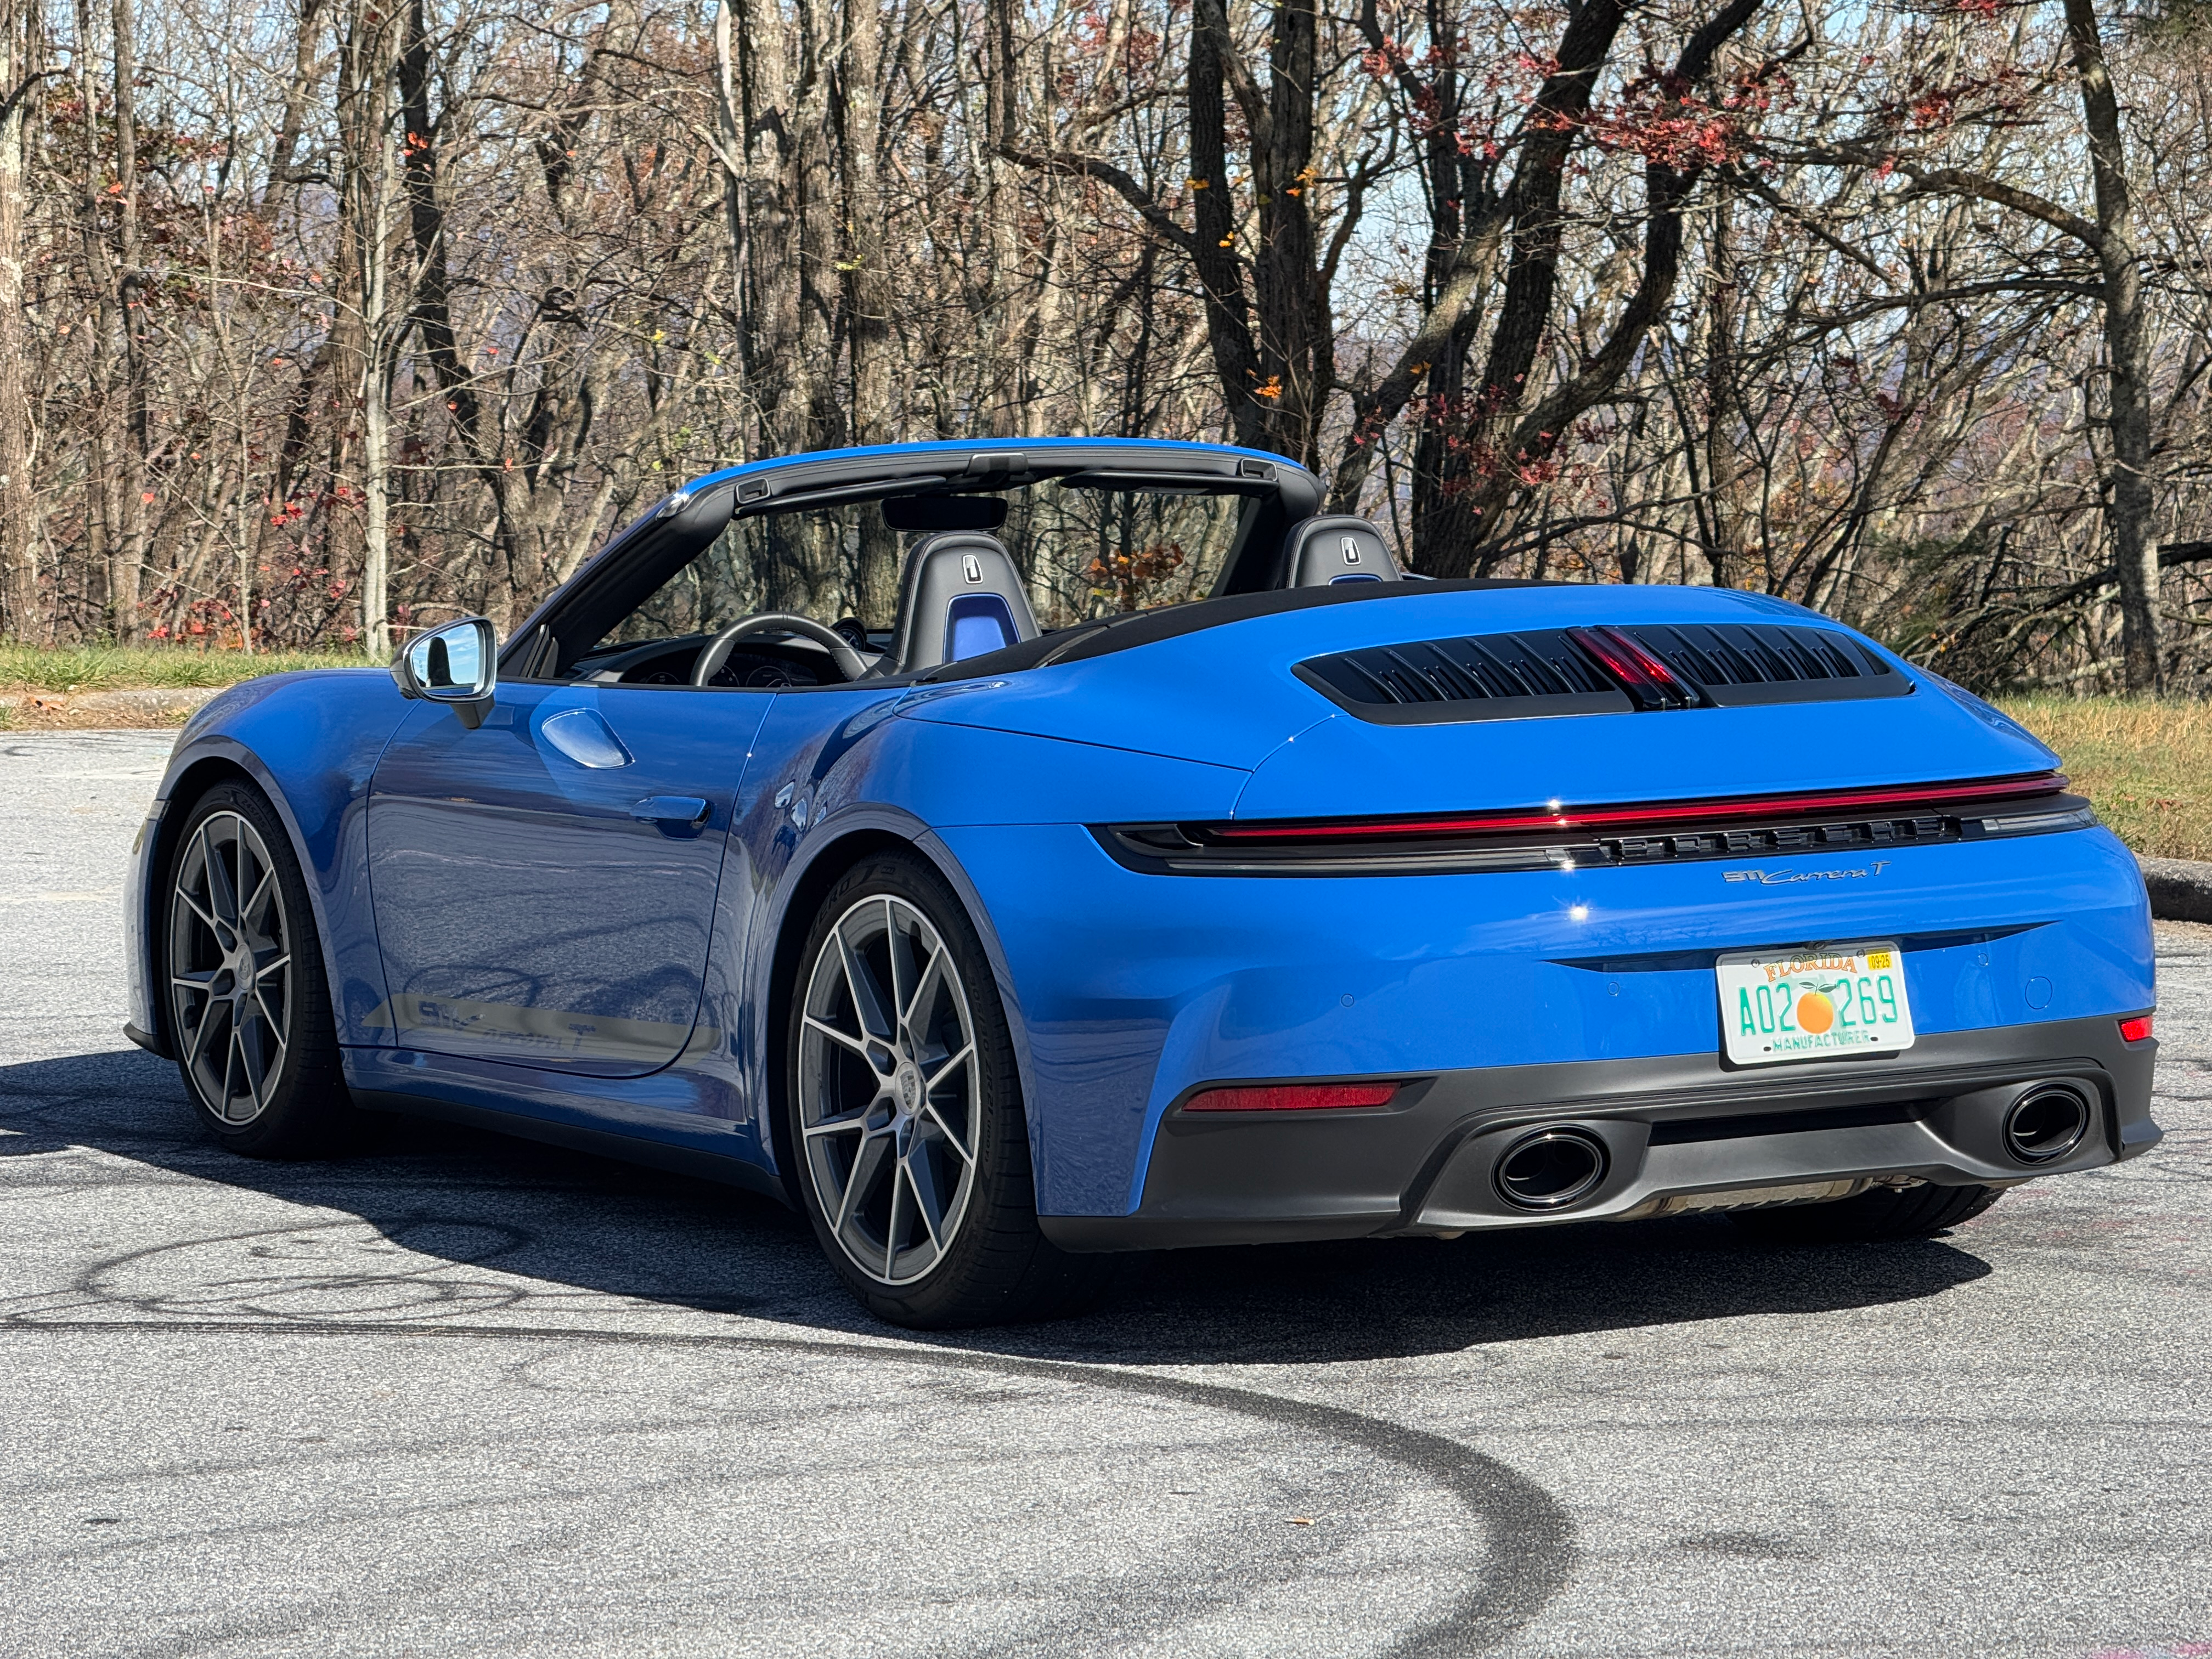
(531, 906)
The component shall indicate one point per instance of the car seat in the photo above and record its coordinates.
(1325, 551)
(959, 596)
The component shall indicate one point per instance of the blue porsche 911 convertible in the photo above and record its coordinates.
(1330, 902)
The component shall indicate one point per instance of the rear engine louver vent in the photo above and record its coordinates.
(1739, 663)
(1592, 670)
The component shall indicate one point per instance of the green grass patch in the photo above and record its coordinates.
(25, 669)
(2148, 765)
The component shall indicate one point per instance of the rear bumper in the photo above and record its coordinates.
(1673, 1127)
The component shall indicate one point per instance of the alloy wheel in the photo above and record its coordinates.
(230, 968)
(889, 1095)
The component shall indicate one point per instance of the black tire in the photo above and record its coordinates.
(277, 1091)
(1878, 1215)
(893, 1113)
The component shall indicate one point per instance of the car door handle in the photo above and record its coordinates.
(677, 815)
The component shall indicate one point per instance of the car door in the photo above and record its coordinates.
(544, 884)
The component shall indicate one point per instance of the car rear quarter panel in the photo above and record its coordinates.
(811, 799)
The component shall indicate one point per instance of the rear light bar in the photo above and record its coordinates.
(1292, 1098)
(2136, 1029)
(1816, 803)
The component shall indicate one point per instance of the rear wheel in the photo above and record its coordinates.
(1881, 1213)
(249, 1008)
(905, 1113)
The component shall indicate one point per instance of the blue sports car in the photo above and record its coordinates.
(1329, 902)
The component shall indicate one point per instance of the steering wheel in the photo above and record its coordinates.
(776, 622)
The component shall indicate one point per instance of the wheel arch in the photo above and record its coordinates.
(206, 771)
(840, 847)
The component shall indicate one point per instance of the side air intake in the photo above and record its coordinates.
(1603, 670)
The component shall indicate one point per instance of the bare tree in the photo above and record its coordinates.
(331, 319)
(19, 78)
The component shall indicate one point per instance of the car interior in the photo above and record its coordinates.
(672, 600)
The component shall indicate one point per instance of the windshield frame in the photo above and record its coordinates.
(638, 558)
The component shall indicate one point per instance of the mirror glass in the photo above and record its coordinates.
(452, 662)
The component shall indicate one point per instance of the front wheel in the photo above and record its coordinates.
(905, 1112)
(249, 1008)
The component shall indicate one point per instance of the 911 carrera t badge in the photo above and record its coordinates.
(1783, 877)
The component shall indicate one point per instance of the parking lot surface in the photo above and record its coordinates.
(461, 1394)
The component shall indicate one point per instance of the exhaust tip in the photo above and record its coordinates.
(1551, 1168)
(2046, 1123)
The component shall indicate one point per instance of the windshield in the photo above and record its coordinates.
(1082, 553)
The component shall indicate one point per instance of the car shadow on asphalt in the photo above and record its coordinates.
(485, 1224)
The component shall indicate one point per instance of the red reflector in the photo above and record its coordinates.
(1292, 1098)
(2136, 1029)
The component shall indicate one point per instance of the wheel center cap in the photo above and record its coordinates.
(909, 1089)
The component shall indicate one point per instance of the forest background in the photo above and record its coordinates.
(323, 319)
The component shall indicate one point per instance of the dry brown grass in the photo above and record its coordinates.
(2146, 765)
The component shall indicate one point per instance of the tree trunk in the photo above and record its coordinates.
(19, 575)
(1002, 210)
(784, 72)
(1723, 524)
(283, 154)
(101, 507)
(770, 280)
(1295, 363)
(1515, 443)
(130, 304)
(867, 297)
(371, 176)
(1213, 211)
(2127, 345)
(361, 79)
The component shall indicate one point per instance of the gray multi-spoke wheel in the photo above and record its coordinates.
(904, 1107)
(249, 1016)
(230, 968)
(887, 1089)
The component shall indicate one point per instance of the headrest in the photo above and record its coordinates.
(960, 596)
(1338, 549)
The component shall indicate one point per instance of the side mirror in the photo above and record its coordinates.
(452, 665)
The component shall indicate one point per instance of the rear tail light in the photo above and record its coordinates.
(1654, 818)
(2136, 1029)
(1292, 1098)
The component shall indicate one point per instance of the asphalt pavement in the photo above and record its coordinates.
(461, 1394)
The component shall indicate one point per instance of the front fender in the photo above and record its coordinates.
(309, 742)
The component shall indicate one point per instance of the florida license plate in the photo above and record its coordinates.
(1828, 1000)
